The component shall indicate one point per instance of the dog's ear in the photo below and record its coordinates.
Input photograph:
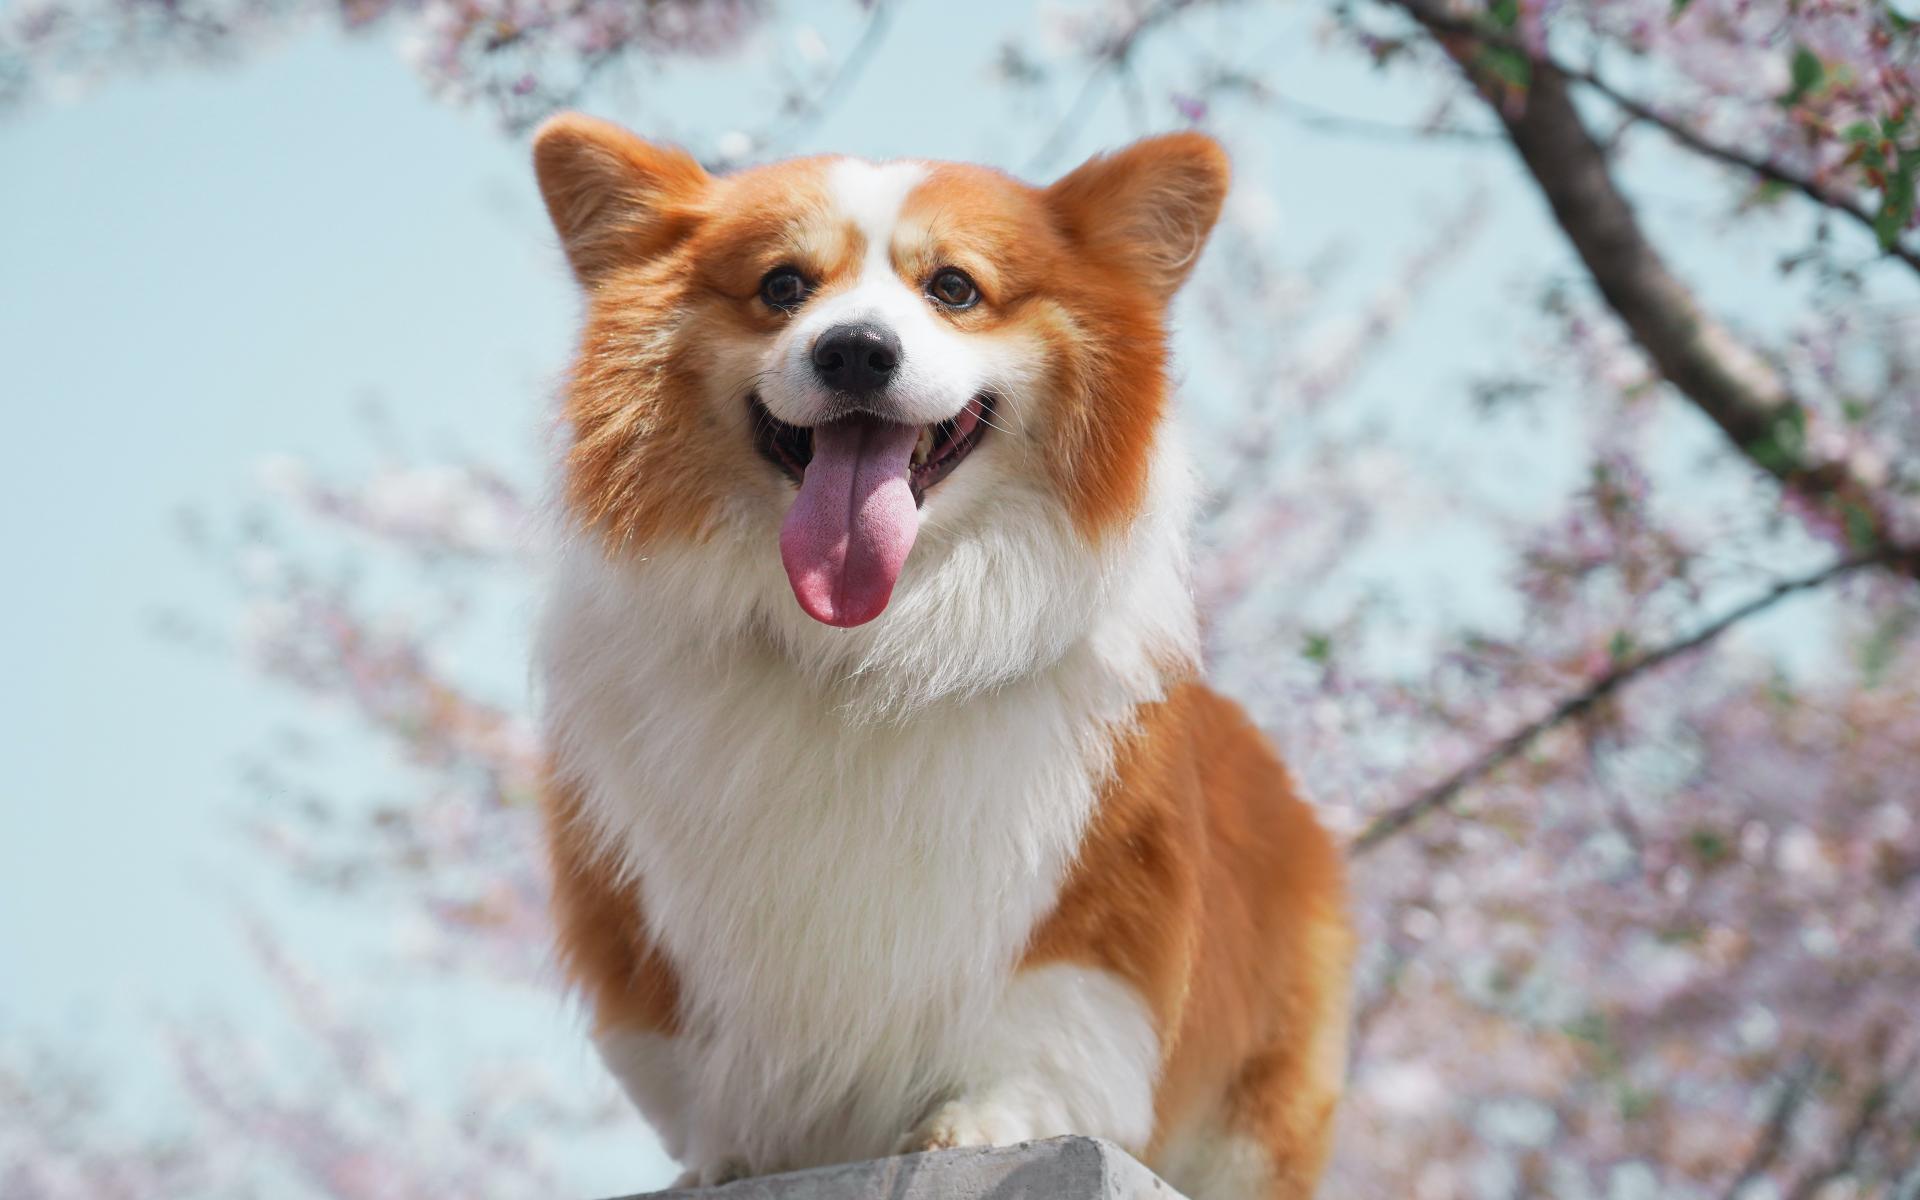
(613, 197)
(1147, 208)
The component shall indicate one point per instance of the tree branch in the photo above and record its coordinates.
(1764, 168)
(1794, 1087)
(1465, 27)
(1865, 1116)
(1114, 54)
(1323, 120)
(1442, 794)
(1734, 387)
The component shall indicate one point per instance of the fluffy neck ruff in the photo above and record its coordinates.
(1004, 599)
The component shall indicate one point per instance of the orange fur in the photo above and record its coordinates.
(601, 928)
(1207, 883)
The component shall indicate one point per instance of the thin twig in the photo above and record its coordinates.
(1794, 1086)
(1765, 168)
(1112, 55)
(1865, 1116)
(1441, 794)
(1325, 120)
(810, 110)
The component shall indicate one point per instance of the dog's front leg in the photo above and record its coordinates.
(648, 1066)
(1069, 1049)
(654, 1072)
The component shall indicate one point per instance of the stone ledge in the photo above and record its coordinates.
(1066, 1168)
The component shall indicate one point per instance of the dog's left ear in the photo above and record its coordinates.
(1148, 207)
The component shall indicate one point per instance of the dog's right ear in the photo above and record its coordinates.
(613, 197)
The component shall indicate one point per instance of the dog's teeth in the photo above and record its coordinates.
(924, 446)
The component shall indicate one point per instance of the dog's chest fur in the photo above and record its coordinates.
(843, 900)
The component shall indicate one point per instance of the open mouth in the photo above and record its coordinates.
(940, 449)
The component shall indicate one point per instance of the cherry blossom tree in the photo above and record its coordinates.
(1636, 848)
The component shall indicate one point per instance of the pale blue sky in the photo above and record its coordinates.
(200, 269)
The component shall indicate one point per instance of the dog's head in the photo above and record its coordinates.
(860, 371)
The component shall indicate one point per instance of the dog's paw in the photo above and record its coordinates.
(713, 1174)
(968, 1123)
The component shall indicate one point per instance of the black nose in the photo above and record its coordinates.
(858, 359)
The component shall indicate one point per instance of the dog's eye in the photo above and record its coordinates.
(953, 289)
(783, 287)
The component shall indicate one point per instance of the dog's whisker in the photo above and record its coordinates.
(990, 423)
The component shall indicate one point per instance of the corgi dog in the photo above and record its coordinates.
(887, 808)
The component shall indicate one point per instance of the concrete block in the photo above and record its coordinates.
(1067, 1168)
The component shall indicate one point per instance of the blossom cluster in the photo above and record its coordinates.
(522, 58)
(1828, 89)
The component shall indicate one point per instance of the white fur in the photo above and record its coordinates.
(844, 838)
(1070, 1049)
(652, 1070)
(1208, 1162)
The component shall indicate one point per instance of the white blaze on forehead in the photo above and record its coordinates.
(871, 196)
(940, 369)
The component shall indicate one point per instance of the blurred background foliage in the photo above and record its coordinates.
(1554, 378)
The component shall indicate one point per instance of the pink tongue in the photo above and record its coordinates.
(849, 530)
